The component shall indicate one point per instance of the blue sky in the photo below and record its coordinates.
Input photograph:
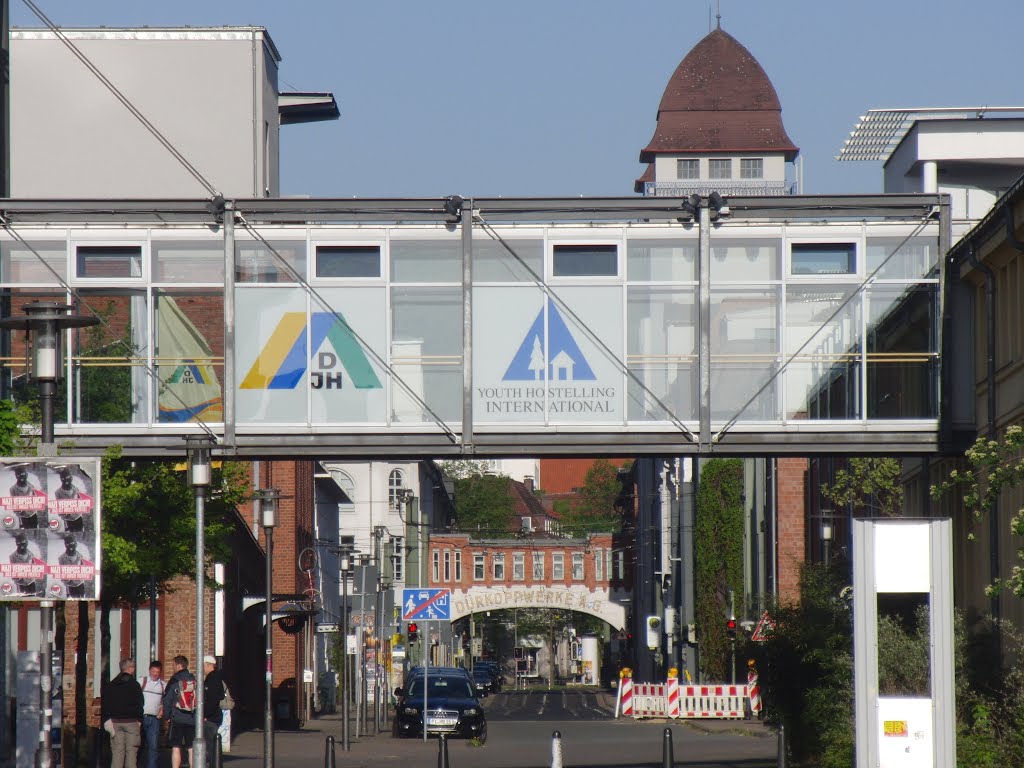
(557, 97)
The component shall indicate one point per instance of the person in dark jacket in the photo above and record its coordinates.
(122, 706)
(213, 694)
(183, 723)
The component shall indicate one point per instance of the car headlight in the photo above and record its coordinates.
(411, 711)
(471, 711)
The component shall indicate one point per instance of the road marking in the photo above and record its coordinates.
(543, 703)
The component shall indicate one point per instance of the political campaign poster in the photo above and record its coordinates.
(49, 529)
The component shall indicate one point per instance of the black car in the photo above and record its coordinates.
(483, 681)
(451, 706)
(494, 669)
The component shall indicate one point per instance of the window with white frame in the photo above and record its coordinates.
(110, 261)
(518, 566)
(396, 484)
(620, 565)
(557, 566)
(458, 565)
(599, 565)
(478, 566)
(447, 565)
(527, 523)
(499, 567)
(688, 169)
(608, 563)
(751, 168)
(347, 261)
(398, 558)
(538, 566)
(437, 565)
(585, 260)
(719, 168)
(577, 566)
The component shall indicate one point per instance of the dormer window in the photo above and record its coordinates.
(751, 168)
(719, 169)
(688, 169)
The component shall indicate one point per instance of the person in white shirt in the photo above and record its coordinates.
(153, 687)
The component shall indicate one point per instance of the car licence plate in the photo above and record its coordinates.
(442, 722)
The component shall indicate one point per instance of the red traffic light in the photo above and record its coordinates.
(731, 625)
(412, 628)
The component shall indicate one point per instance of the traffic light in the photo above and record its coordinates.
(653, 632)
(730, 628)
(465, 641)
(413, 632)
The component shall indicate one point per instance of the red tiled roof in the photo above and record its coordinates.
(719, 99)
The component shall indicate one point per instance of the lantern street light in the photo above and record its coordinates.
(199, 477)
(826, 534)
(44, 323)
(268, 498)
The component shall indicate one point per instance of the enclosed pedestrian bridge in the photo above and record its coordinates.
(497, 327)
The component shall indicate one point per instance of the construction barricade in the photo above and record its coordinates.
(672, 693)
(648, 700)
(671, 700)
(714, 701)
(624, 699)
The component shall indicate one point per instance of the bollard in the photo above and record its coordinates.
(781, 760)
(442, 751)
(97, 749)
(218, 752)
(556, 750)
(329, 761)
(666, 749)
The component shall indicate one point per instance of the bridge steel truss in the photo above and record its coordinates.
(840, 341)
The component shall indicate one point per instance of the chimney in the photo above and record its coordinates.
(528, 482)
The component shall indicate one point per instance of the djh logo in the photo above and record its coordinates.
(557, 358)
(282, 362)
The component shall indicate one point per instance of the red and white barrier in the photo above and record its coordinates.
(713, 701)
(624, 700)
(648, 699)
(672, 696)
(754, 690)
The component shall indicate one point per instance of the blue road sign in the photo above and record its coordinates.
(425, 604)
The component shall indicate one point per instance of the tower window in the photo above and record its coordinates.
(687, 169)
(720, 169)
(751, 168)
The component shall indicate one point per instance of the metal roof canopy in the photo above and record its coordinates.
(797, 439)
(877, 134)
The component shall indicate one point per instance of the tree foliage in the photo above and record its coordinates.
(869, 484)
(994, 466)
(718, 537)
(484, 506)
(10, 431)
(596, 506)
(460, 469)
(149, 523)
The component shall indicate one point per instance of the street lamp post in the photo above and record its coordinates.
(344, 567)
(826, 535)
(268, 499)
(44, 323)
(199, 477)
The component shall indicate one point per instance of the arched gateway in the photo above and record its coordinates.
(585, 575)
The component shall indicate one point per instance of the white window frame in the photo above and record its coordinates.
(558, 566)
(713, 163)
(394, 500)
(458, 565)
(479, 566)
(498, 566)
(518, 566)
(436, 565)
(688, 162)
(751, 161)
(144, 261)
(349, 244)
(447, 565)
(398, 564)
(599, 565)
(578, 567)
(538, 566)
(554, 245)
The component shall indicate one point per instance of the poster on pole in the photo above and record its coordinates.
(49, 528)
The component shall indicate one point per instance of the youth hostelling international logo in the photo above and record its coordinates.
(558, 356)
(282, 361)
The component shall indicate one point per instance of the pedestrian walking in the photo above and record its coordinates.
(121, 711)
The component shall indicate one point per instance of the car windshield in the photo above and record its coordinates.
(441, 686)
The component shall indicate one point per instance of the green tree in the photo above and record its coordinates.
(596, 507)
(718, 537)
(484, 506)
(870, 484)
(460, 469)
(10, 429)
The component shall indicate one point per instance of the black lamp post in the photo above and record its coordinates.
(199, 477)
(826, 535)
(44, 323)
(268, 499)
(345, 554)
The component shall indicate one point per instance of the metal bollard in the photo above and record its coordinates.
(218, 753)
(97, 749)
(329, 761)
(666, 749)
(781, 759)
(556, 750)
(442, 751)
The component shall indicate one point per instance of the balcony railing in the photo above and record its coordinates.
(684, 188)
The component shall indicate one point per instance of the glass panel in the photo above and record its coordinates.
(661, 352)
(196, 261)
(189, 356)
(348, 261)
(751, 168)
(902, 259)
(749, 261)
(823, 331)
(744, 354)
(492, 262)
(426, 353)
(35, 261)
(688, 169)
(904, 624)
(720, 169)
(823, 259)
(661, 260)
(113, 261)
(111, 376)
(903, 362)
(278, 261)
(585, 261)
(426, 261)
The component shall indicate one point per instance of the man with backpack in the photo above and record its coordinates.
(180, 708)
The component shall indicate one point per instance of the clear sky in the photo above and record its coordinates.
(557, 97)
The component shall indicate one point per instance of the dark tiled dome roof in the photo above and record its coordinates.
(719, 99)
